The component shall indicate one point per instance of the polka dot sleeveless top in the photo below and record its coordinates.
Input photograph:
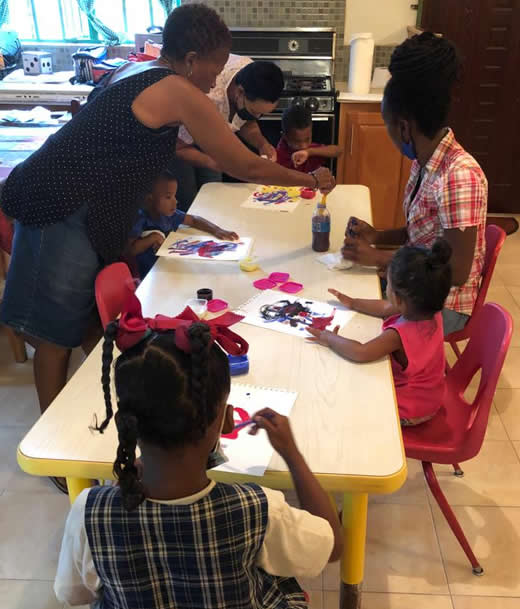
(103, 158)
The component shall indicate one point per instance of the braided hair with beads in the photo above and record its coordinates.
(165, 397)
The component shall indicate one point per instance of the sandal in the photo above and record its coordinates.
(60, 484)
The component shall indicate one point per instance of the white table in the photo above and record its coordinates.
(345, 419)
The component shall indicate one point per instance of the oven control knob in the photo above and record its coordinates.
(313, 104)
(293, 46)
(298, 101)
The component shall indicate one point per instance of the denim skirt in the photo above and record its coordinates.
(49, 292)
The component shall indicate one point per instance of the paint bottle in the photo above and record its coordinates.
(321, 227)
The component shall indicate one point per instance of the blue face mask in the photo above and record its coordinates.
(408, 149)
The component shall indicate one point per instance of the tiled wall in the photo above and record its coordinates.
(261, 13)
(295, 13)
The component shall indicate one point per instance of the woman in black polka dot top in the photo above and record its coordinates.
(75, 199)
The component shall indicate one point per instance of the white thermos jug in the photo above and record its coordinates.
(361, 58)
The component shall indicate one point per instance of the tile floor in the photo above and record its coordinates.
(412, 561)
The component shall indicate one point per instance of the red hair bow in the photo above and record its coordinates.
(133, 327)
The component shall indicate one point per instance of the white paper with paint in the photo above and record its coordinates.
(181, 245)
(291, 322)
(251, 454)
(287, 206)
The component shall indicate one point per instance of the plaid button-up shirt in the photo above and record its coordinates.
(453, 194)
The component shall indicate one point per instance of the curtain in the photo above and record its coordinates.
(108, 36)
(169, 5)
(4, 12)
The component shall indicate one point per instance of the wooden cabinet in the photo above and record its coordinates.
(370, 158)
(485, 113)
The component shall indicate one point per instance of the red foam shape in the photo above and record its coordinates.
(264, 284)
(279, 277)
(216, 305)
(291, 287)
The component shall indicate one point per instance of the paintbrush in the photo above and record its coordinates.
(243, 424)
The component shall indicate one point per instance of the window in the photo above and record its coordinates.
(63, 20)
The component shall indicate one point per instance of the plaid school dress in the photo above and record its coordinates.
(197, 556)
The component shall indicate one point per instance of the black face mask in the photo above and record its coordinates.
(245, 115)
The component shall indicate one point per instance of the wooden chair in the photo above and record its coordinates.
(75, 106)
(6, 241)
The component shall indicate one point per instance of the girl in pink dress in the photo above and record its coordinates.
(419, 281)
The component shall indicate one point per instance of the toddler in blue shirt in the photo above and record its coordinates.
(158, 217)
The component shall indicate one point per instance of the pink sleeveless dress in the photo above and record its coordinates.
(420, 387)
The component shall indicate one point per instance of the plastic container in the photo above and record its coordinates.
(238, 364)
(291, 287)
(216, 305)
(360, 67)
(198, 306)
(248, 265)
(264, 284)
(205, 294)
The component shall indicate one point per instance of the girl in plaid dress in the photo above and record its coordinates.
(167, 536)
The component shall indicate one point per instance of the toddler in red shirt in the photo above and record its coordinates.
(419, 281)
(296, 150)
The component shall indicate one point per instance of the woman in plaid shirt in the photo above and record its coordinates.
(446, 195)
(167, 537)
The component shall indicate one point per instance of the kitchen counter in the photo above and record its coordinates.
(30, 94)
(375, 96)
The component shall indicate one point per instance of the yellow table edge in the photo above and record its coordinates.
(273, 479)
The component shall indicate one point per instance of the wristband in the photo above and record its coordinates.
(316, 182)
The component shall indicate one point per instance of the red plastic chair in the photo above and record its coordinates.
(495, 237)
(457, 431)
(112, 285)
(6, 244)
(6, 234)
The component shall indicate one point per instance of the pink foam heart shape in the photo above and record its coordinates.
(291, 287)
(264, 284)
(216, 305)
(279, 277)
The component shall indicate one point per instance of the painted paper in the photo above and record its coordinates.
(251, 454)
(274, 198)
(285, 313)
(204, 247)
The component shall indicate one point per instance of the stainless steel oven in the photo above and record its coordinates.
(323, 127)
(306, 57)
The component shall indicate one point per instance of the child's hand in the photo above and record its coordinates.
(226, 235)
(278, 430)
(157, 241)
(321, 336)
(345, 300)
(299, 157)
